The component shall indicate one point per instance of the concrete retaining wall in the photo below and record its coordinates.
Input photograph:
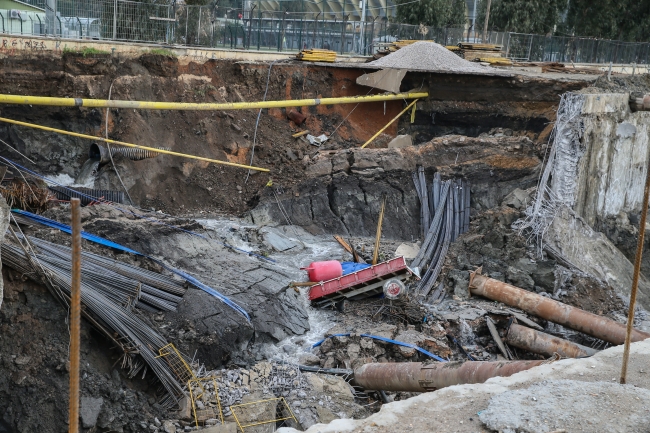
(617, 150)
(13, 45)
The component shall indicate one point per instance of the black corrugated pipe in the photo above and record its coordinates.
(100, 152)
(66, 193)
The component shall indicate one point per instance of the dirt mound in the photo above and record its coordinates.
(429, 56)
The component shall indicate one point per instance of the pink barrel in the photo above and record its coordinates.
(323, 271)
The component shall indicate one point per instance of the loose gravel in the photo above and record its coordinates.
(429, 56)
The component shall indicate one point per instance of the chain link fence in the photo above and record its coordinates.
(254, 29)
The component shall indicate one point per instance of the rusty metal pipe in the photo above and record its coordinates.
(418, 377)
(545, 344)
(554, 311)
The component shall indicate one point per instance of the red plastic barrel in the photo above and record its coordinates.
(323, 271)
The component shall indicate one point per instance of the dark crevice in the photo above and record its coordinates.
(333, 208)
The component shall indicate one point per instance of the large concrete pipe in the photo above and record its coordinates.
(554, 311)
(545, 344)
(418, 377)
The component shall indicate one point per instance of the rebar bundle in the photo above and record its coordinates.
(108, 298)
(448, 202)
(86, 194)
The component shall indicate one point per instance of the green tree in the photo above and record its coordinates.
(457, 14)
(598, 18)
(626, 19)
(524, 16)
(434, 13)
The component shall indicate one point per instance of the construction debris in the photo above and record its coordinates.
(316, 55)
(473, 52)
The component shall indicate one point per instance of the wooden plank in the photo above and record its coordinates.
(495, 335)
(525, 320)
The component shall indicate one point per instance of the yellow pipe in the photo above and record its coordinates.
(149, 105)
(390, 123)
(122, 143)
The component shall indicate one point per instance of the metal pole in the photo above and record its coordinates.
(198, 29)
(635, 276)
(75, 315)
(474, 15)
(487, 18)
(250, 26)
(364, 4)
(259, 28)
(315, 31)
(115, 20)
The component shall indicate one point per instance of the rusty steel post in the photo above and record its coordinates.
(418, 377)
(635, 275)
(545, 344)
(554, 311)
(75, 315)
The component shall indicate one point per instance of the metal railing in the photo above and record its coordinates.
(256, 29)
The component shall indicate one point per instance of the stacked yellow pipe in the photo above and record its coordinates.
(316, 55)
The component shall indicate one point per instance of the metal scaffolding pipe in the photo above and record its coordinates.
(539, 342)
(418, 377)
(554, 311)
(150, 105)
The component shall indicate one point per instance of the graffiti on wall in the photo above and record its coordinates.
(16, 45)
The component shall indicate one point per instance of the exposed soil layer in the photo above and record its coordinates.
(459, 104)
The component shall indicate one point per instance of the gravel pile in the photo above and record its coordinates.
(429, 56)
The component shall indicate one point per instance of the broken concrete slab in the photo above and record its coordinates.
(227, 427)
(401, 141)
(407, 250)
(571, 239)
(604, 406)
(89, 410)
(275, 239)
(518, 199)
(386, 79)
